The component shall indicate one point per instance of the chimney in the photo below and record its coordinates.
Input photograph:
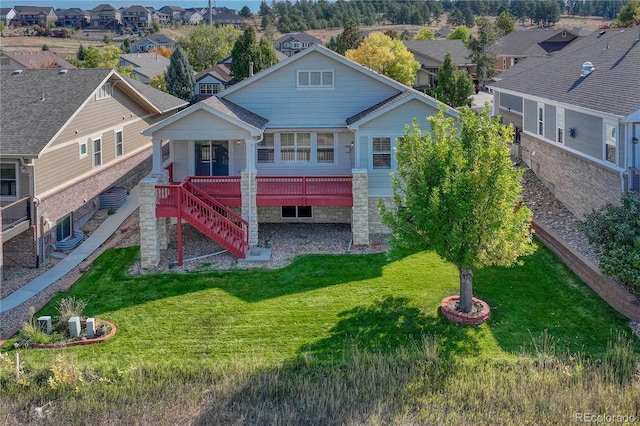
(250, 69)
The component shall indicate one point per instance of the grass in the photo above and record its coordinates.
(334, 339)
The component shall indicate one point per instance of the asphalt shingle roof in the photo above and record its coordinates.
(232, 110)
(147, 64)
(39, 59)
(438, 49)
(161, 100)
(532, 41)
(302, 37)
(377, 107)
(612, 87)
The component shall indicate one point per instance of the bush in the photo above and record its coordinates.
(615, 233)
(31, 333)
(67, 308)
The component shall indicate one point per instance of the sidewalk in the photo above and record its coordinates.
(77, 256)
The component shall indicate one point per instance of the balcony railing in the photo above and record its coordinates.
(634, 179)
(15, 213)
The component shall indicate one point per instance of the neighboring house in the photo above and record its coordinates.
(105, 16)
(431, 54)
(35, 15)
(145, 65)
(577, 115)
(308, 140)
(213, 80)
(161, 18)
(153, 41)
(225, 17)
(193, 16)
(67, 137)
(74, 18)
(174, 13)
(443, 32)
(35, 59)
(7, 15)
(136, 16)
(290, 44)
(518, 45)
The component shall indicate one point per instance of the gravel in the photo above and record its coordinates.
(285, 240)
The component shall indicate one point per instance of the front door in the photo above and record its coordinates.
(212, 158)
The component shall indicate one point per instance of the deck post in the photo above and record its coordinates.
(248, 189)
(360, 209)
(153, 230)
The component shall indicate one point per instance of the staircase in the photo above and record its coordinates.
(213, 219)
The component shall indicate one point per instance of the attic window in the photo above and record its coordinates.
(322, 78)
(104, 92)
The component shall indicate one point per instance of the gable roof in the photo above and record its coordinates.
(438, 49)
(33, 114)
(32, 10)
(74, 11)
(147, 64)
(302, 37)
(533, 41)
(103, 7)
(219, 71)
(611, 88)
(136, 9)
(36, 59)
(158, 39)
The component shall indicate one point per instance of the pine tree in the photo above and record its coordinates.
(179, 76)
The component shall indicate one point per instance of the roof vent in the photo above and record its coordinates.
(587, 68)
(16, 72)
(62, 71)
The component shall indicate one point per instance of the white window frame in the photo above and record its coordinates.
(96, 153)
(209, 88)
(16, 181)
(560, 129)
(119, 145)
(315, 78)
(81, 145)
(610, 140)
(540, 119)
(268, 146)
(105, 91)
(297, 148)
(325, 147)
(378, 152)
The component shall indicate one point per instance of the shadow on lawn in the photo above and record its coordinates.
(361, 370)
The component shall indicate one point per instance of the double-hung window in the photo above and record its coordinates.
(560, 125)
(295, 147)
(541, 119)
(119, 143)
(325, 147)
(97, 152)
(611, 141)
(9, 179)
(209, 88)
(381, 153)
(266, 149)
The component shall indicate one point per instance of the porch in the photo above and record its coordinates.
(16, 218)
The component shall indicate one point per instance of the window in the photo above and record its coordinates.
(560, 125)
(325, 148)
(541, 119)
(611, 141)
(319, 78)
(381, 153)
(97, 152)
(104, 92)
(82, 148)
(266, 149)
(5, 61)
(297, 212)
(119, 144)
(63, 229)
(209, 88)
(295, 147)
(8, 179)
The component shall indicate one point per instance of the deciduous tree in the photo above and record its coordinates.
(456, 192)
(425, 33)
(206, 45)
(460, 33)
(455, 87)
(480, 49)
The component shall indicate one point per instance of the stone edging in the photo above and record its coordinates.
(609, 289)
(80, 342)
(462, 317)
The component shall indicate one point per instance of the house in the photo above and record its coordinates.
(310, 139)
(290, 44)
(213, 80)
(577, 116)
(161, 18)
(174, 13)
(74, 17)
(431, 54)
(153, 41)
(105, 16)
(68, 136)
(7, 15)
(136, 16)
(193, 16)
(225, 17)
(35, 59)
(443, 32)
(145, 65)
(35, 15)
(517, 45)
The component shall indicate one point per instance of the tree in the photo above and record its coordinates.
(163, 51)
(245, 50)
(460, 33)
(455, 86)
(456, 17)
(179, 76)
(350, 38)
(614, 230)
(206, 45)
(425, 33)
(266, 55)
(245, 12)
(456, 192)
(629, 15)
(126, 45)
(386, 56)
(158, 82)
(505, 23)
(81, 53)
(45, 47)
(479, 49)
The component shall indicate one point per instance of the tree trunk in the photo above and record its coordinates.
(466, 290)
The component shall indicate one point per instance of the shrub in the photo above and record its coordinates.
(67, 308)
(66, 375)
(615, 233)
(31, 333)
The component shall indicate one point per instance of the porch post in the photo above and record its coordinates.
(157, 169)
(360, 209)
(153, 230)
(248, 188)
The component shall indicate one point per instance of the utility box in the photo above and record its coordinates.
(91, 328)
(44, 322)
(74, 327)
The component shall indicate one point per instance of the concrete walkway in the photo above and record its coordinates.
(77, 256)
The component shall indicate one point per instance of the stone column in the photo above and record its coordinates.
(248, 189)
(153, 230)
(360, 209)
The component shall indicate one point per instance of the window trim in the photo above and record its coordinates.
(16, 180)
(297, 148)
(121, 144)
(374, 153)
(540, 110)
(105, 91)
(325, 147)
(614, 126)
(319, 86)
(560, 126)
(86, 149)
(66, 220)
(95, 152)
(214, 88)
(267, 148)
